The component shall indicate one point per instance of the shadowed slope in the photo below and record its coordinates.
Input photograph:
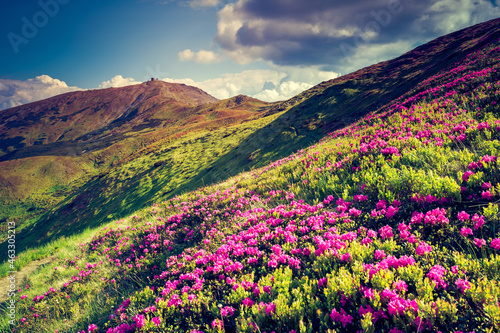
(336, 103)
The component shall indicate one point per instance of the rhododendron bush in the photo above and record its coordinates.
(388, 225)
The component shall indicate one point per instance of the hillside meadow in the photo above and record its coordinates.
(390, 224)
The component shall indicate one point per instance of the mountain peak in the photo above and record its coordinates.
(74, 115)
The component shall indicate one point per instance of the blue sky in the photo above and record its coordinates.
(269, 49)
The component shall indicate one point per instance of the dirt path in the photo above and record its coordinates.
(20, 278)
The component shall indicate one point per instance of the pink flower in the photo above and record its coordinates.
(391, 211)
(486, 195)
(463, 285)
(382, 204)
(267, 289)
(466, 231)
(400, 285)
(486, 186)
(362, 311)
(360, 198)
(416, 218)
(395, 330)
(463, 216)
(354, 212)
(342, 317)
(140, 320)
(436, 274)
(247, 302)
(270, 308)
(423, 248)
(436, 216)
(346, 257)
(379, 254)
(495, 244)
(466, 175)
(322, 282)
(388, 294)
(368, 293)
(478, 221)
(216, 323)
(479, 242)
(227, 311)
(386, 232)
(92, 328)
(156, 321)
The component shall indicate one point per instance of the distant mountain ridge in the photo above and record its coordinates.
(82, 114)
(52, 148)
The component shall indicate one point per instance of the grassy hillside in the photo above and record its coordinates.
(41, 189)
(157, 114)
(390, 224)
(148, 176)
(339, 102)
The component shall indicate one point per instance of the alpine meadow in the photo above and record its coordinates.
(367, 203)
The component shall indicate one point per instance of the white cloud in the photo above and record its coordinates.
(269, 85)
(446, 16)
(369, 54)
(297, 80)
(248, 82)
(118, 81)
(309, 74)
(282, 92)
(201, 57)
(18, 92)
(186, 55)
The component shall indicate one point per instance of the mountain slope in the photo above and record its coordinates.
(295, 124)
(96, 114)
(390, 224)
(79, 138)
(336, 103)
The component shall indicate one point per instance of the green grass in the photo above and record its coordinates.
(213, 217)
(158, 173)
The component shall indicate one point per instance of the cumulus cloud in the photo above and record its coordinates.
(269, 85)
(319, 32)
(369, 54)
(118, 81)
(298, 79)
(248, 82)
(17, 92)
(282, 92)
(201, 57)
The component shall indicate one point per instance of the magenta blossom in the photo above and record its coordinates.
(423, 248)
(463, 285)
(156, 321)
(463, 216)
(466, 231)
